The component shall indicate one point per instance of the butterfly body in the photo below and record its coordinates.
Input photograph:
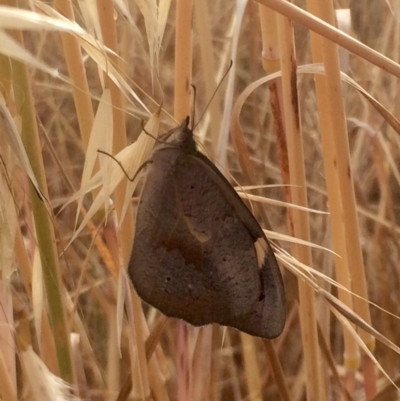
(199, 254)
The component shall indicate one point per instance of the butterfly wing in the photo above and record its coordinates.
(199, 254)
(192, 257)
(228, 270)
(266, 317)
(157, 266)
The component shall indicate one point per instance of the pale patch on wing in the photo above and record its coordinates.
(201, 235)
(261, 251)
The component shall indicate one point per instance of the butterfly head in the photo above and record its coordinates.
(182, 136)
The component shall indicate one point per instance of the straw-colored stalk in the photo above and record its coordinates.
(208, 68)
(77, 74)
(109, 36)
(308, 322)
(105, 10)
(183, 59)
(183, 80)
(343, 204)
(328, 31)
(338, 237)
(271, 64)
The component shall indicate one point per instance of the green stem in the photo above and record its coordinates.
(43, 218)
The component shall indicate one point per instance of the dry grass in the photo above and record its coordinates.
(332, 139)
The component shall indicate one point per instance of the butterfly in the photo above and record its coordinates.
(199, 254)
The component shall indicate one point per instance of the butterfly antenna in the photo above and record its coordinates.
(148, 133)
(213, 95)
(193, 105)
(131, 179)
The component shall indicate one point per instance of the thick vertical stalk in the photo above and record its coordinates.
(43, 218)
(183, 80)
(301, 226)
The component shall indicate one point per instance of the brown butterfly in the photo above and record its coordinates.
(199, 254)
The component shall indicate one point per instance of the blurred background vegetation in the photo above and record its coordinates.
(79, 76)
